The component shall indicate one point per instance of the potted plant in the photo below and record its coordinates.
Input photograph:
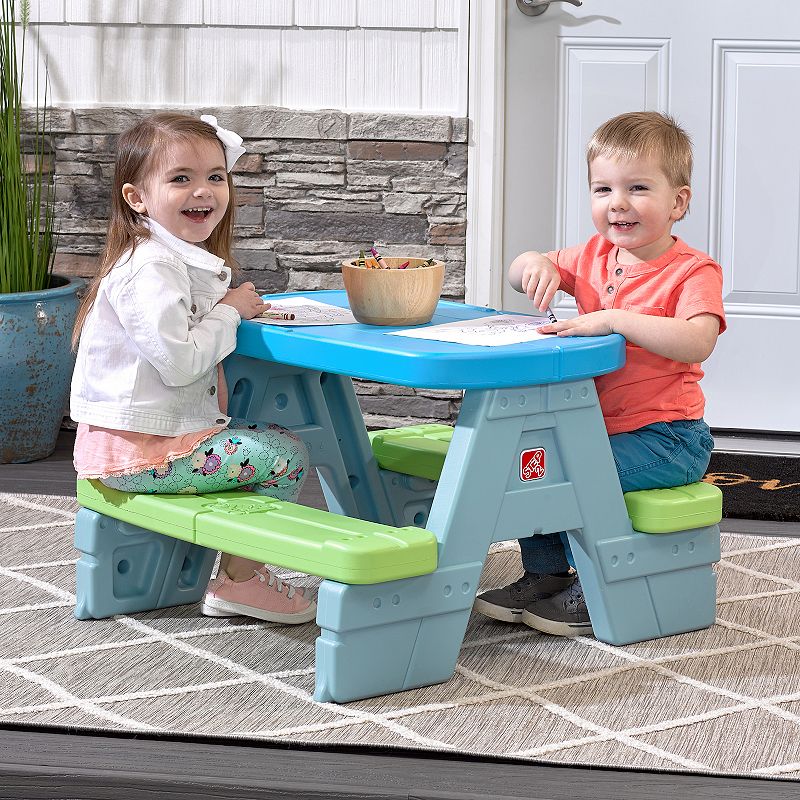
(37, 308)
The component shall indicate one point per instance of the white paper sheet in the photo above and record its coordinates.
(306, 312)
(486, 331)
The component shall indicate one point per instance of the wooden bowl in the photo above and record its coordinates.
(392, 296)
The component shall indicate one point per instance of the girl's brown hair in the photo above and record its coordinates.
(647, 134)
(140, 151)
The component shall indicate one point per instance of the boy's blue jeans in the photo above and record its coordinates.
(657, 456)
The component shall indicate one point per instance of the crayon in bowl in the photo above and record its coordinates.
(377, 261)
(404, 291)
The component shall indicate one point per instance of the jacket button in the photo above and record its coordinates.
(193, 309)
(618, 271)
(610, 289)
(222, 275)
(212, 390)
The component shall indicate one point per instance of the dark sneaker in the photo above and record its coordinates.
(508, 603)
(563, 614)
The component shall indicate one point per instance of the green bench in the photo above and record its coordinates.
(273, 531)
(119, 533)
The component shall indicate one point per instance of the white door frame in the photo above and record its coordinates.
(484, 268)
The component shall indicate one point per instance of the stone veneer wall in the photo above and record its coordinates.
(313, 189)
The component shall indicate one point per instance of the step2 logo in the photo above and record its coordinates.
(532, 464)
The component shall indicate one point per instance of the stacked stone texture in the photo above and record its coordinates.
(313, 189)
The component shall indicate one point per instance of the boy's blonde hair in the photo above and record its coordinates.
(647, 134)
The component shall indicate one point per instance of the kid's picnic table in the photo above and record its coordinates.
(529, 455)
(412, 514)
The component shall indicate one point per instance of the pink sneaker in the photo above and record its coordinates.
(262, 597)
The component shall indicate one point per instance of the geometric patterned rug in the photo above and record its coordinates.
(724, 700)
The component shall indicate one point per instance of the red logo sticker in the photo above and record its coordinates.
(532, 465)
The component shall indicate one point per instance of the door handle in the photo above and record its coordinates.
(532, 8)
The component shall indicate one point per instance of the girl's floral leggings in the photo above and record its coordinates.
(261, 458)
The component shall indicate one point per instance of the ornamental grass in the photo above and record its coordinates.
(27, 192)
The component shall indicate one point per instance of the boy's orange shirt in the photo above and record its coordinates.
(681, 283)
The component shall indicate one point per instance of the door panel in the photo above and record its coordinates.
(599, 75)
(730, 79)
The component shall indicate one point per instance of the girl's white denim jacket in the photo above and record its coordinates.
(151, 343)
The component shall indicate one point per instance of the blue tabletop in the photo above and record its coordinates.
(365, 351)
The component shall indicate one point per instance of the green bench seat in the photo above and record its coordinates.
(275, 532)
(416, 450)
(696, 505)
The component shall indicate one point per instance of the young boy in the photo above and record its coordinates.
(633, 278)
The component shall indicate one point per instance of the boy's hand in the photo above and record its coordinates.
(690, 341)
(536, 276)
(596, 323)
(245, 300)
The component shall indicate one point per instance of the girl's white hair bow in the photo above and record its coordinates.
(231, 142)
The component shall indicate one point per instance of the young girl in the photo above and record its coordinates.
(148, 390)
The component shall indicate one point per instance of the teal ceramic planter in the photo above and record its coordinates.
(35, 368)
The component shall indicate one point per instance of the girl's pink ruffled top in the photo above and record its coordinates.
(103, 452)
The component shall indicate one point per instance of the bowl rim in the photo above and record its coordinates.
(350, 263)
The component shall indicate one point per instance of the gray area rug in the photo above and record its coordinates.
(724, 700)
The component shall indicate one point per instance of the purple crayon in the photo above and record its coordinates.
(378, 257)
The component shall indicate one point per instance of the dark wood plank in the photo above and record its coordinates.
(53, 475)
(758, 527)
(36, 764)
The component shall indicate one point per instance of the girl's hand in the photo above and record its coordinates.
(597, 323)
(245, 300)
(536, 276)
